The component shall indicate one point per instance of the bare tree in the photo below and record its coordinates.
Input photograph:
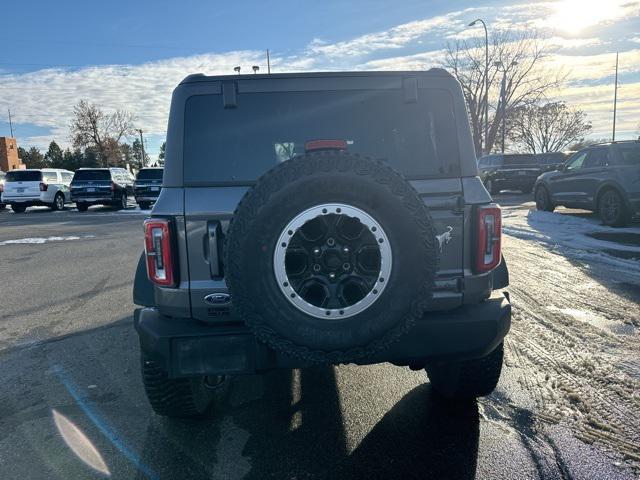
(94, 129)
(516, 55)
(547, 128)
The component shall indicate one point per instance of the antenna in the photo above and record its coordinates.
(10, 123)
(615, 101)
(268, 62)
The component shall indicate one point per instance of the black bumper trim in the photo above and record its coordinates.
(186, 347)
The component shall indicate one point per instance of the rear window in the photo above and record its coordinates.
(239, 144)
(630, 155)
(150, 174)
(83, 175)
(518, 160)
(551, 158)
(23, 176)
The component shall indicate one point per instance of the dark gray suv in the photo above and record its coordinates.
(321, 218)
(604, 178)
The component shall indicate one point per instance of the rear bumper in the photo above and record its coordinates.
(187, 347)
(95, 199)
(514, 182)
(146, 198)
(27, 200)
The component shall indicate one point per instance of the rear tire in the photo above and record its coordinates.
(543, 200)
(16, 207)
(121, 204)
(82, 206)
(528, 189)
(468, 378)
(612, 209)
(144, 205)
(2, 206)
(58, 202)
(176, 397)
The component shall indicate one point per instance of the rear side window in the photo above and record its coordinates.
(66, 176)
(84, 175)
(239, 144)
(630, 155)
(518, 160)
(50, 177)
(150, 174)
(23, 176)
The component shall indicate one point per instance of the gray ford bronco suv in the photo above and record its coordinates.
(320, 218)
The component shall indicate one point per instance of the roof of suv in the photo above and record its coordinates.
(201, 77)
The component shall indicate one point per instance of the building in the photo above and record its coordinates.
(9, 159)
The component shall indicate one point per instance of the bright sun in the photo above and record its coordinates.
(572, 16)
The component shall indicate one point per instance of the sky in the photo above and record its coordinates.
(130, 55)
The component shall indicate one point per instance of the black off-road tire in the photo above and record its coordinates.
(618, 218)
(467, 379)
(543, 199)
(18, 208)
(175, 397)
(144, 205)
(305, 182)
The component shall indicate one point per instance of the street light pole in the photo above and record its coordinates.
(486, 81)
(142, 162)
(615, 101)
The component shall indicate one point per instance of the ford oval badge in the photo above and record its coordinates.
(218, 299)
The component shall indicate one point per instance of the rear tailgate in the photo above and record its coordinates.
(23, 184)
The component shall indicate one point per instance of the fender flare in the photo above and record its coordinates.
(501, 274)
(143, 293)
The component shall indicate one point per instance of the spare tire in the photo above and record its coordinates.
(331, 257)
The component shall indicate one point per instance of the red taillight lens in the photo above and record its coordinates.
(159, 252)
(43, 187)
(113, 187)
(488, 238)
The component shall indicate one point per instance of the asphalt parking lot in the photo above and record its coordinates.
(72, 405)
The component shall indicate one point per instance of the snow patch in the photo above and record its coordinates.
(40, 240)
(569, 235)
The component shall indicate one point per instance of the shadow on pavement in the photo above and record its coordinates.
(285, 424)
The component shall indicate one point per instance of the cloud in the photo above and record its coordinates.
(46, 97)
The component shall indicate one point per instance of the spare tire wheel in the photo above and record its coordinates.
(331, 257)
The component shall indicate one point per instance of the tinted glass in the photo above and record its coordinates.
(150, 174)
(84, 175)
(630, 155)
(23, 176)
(577, 160)
(518, 159)
(66, 177)
(239, 144)
(550, 158)
(597, 158)
(50, 177)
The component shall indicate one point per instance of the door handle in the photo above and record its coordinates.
(214, 233)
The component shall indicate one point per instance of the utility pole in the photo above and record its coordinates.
(10, 123)
(615, 101)
(142, 162)
(268, 62)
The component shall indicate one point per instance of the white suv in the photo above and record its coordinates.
(47, 186)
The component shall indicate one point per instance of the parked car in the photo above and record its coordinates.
(30, 187)
(2, 205)
(147, 186)
(101, 186)
(506, 171)
(551, 160)
(604, 178)
(279, 242)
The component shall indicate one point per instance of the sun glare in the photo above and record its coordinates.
(573, 16)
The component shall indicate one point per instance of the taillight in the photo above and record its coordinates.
(43, 187)
(314, 145)
(159, 252)
(488, 238)
(113, 187)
